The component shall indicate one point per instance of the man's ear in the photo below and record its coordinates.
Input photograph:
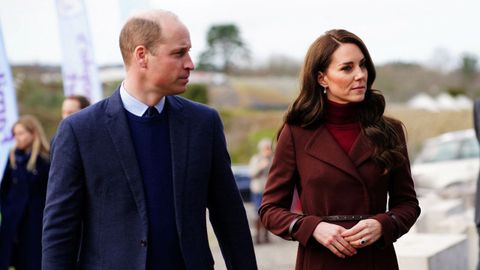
(141, 56)
(321, 79)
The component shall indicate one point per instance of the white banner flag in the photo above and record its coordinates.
(8, 106)
(80, 73)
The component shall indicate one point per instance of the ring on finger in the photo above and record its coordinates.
(362, 242)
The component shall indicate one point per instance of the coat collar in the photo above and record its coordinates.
(323, 146)
(117, 126)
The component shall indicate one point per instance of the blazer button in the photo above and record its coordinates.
(143, 243)
(15, 181)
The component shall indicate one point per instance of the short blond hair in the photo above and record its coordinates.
(142, 29)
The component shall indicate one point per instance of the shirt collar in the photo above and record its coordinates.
(134, 106)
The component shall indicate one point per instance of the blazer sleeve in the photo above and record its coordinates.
(277, 197)
(226, 211)
(403, 203)
(64, 202)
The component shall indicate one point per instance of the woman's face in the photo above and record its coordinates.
(346, 77)
(23, 138)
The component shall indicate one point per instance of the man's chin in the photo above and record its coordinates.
(178, 91)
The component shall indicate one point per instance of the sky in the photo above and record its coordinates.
(433, 32)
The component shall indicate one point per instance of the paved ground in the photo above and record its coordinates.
(279, 254)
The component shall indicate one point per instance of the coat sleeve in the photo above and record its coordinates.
(403, 207)
(226, 211)
(277, 197)
(64, 202)
(6, 182)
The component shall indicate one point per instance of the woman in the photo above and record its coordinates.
(345, 157)
(22, 197)
(259, 166)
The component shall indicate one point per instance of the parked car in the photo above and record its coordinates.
(448, 164)
(242, 178)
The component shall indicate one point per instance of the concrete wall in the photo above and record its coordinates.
(418, 251)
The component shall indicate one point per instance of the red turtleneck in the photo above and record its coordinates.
(342, 122)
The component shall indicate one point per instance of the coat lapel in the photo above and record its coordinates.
(324, 147)
(362, 149)
(179, 134)
(117, 126)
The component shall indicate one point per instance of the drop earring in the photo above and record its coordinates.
(324, 91)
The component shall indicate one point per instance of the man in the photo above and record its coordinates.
(131, 192)
(73, 104)
(476, 124)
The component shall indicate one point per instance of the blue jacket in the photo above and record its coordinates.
(95, 214)
(22, 199)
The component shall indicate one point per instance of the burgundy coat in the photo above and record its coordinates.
(331, 182)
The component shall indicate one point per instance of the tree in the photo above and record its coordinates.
(468, 71)
(226, 49)
(469, 66)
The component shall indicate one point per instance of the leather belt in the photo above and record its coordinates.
(345, 217)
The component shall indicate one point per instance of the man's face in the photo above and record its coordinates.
(69, 107)
(170, 65)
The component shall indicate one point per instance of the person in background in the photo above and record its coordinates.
(133, 175)
(476, 125)
(259, 166)
(73, 104)
(22, 197)
(345, 158)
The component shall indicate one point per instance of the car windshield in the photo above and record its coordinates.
(449, 150)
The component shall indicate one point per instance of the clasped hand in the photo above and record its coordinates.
(343, 242)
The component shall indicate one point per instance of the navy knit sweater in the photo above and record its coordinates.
(152, 146)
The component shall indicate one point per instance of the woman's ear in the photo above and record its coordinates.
(321, 79)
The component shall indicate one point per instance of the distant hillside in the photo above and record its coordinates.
(252, 107)
(400, 81)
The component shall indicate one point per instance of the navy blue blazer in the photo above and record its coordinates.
(95, 215)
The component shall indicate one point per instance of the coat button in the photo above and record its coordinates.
(15, 180)
(143, 243)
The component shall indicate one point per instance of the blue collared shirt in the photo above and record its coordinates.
(135, 106)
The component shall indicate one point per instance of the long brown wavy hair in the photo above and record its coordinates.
(40, 146)
(308, 110)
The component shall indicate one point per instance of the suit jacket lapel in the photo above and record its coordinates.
(179, 137)
(323, 146)
(117, 126)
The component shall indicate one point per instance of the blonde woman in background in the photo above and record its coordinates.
(22, 196)
(259, 166)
